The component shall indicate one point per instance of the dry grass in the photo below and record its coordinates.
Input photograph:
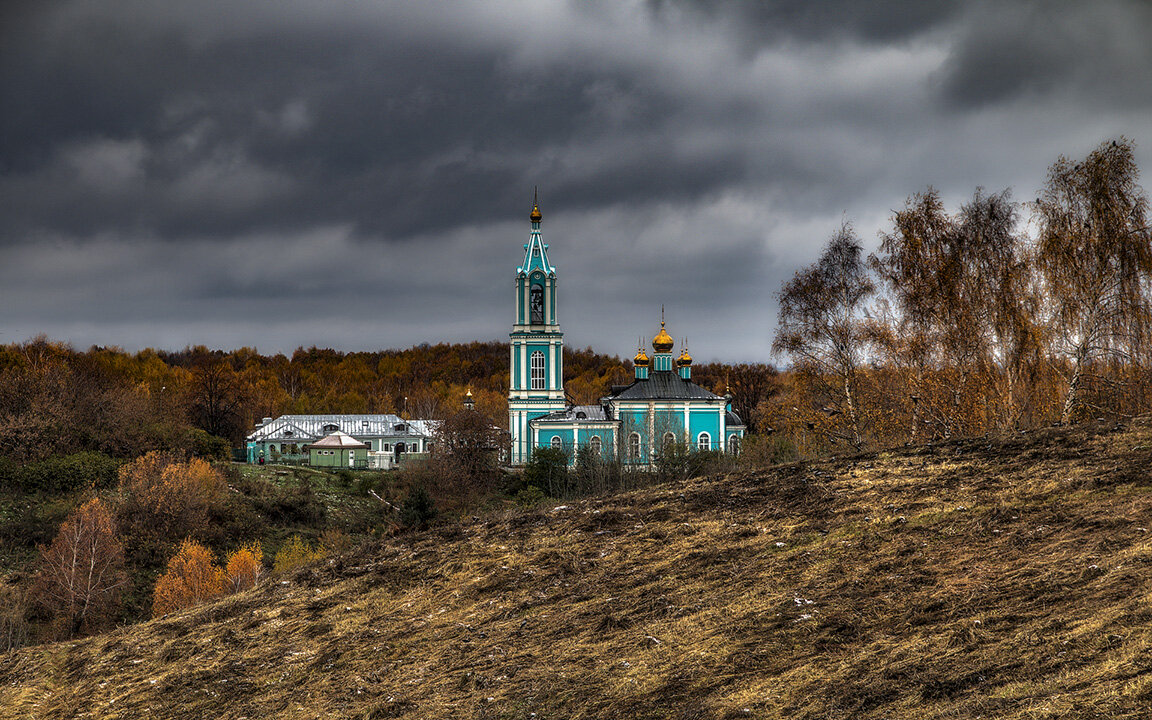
(1004, 578)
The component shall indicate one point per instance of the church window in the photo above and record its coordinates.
(703, 441)
(537, 370)
(669, 440)
(734, 444)
(634, 446)
(594, 443)
(581, 415)
(556, 442)
(536, 305)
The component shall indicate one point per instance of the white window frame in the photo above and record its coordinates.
(734, 444)
(634, 446)
(596, 444)
(704, 441)
(537, 365)
(556, 443)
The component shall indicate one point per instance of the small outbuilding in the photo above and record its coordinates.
(338, 449)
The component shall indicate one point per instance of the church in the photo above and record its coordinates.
(633, 423)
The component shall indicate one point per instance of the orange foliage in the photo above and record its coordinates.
(191, 578)
(244, 568)
(82, 572)
(169, 496)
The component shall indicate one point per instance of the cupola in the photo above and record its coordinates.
(641, 363)
(663, 342)
(684, 363)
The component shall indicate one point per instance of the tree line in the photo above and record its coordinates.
(996, 316)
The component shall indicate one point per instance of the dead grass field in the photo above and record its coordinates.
(996, 578)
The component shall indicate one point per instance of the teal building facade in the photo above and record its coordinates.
(634, 423)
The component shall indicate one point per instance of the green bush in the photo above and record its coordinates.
(418, 511)
(547, 469)
(203, 445)
(64, 473)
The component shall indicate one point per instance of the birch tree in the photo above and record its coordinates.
(1095, 256)
(820, 322)
(81, 573)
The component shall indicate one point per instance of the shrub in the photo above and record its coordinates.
(294, 553)
(169, 497)
(418, 511)
(64, 473)
(244, 568)
(204, 445)
(547, 469)
(13, 618)
(334, 541)
(190, 578)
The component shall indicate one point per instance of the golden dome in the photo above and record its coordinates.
(663, 342)
(641, 359)
(685, 358)
(535, 216)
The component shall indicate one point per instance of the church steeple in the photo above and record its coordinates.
(536, 216)
(536, 385)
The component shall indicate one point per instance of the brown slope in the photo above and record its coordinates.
(1003, 578)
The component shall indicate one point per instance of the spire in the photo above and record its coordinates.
(536, 215)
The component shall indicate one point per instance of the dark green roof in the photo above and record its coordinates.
(663, 385)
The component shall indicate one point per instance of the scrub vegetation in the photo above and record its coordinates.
(1002, 576)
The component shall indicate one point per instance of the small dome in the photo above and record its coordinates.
(663, 342)
(685, 358)
(536, 216)
(641, 359)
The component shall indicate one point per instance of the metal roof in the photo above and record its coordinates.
(340, 440)
(732, 420)
(307, 427)
(591, 413)
(663, 385)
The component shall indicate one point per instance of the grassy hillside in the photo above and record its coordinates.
(996, 578)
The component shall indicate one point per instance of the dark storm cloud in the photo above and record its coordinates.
(1086, 50)
(875, 21)
(243, 173)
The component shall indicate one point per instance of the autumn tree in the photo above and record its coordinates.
(216, 398)
(244, 568)
(820, 323)
(465, 455)
(961, 304)
(163, 495)
(81, 574)
(1095, 257)
(191, 577)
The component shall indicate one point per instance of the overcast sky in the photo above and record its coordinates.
(358, 175)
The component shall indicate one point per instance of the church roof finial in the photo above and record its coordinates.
(536, 215)
(663, 342)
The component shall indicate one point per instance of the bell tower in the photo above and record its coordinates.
(536, 383)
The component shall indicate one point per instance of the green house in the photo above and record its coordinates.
(338, 450)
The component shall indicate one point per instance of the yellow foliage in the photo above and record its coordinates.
(294, 553)
(171, 496)
(244, 567)
(191, 578)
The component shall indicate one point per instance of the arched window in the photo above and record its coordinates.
(537, 370)
(703, 441)
(634, 446)
(536, 304)
(594, 444)
(734, 444)
(556, 443)
(668, 441)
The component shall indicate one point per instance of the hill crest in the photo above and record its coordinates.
(1000, 577)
